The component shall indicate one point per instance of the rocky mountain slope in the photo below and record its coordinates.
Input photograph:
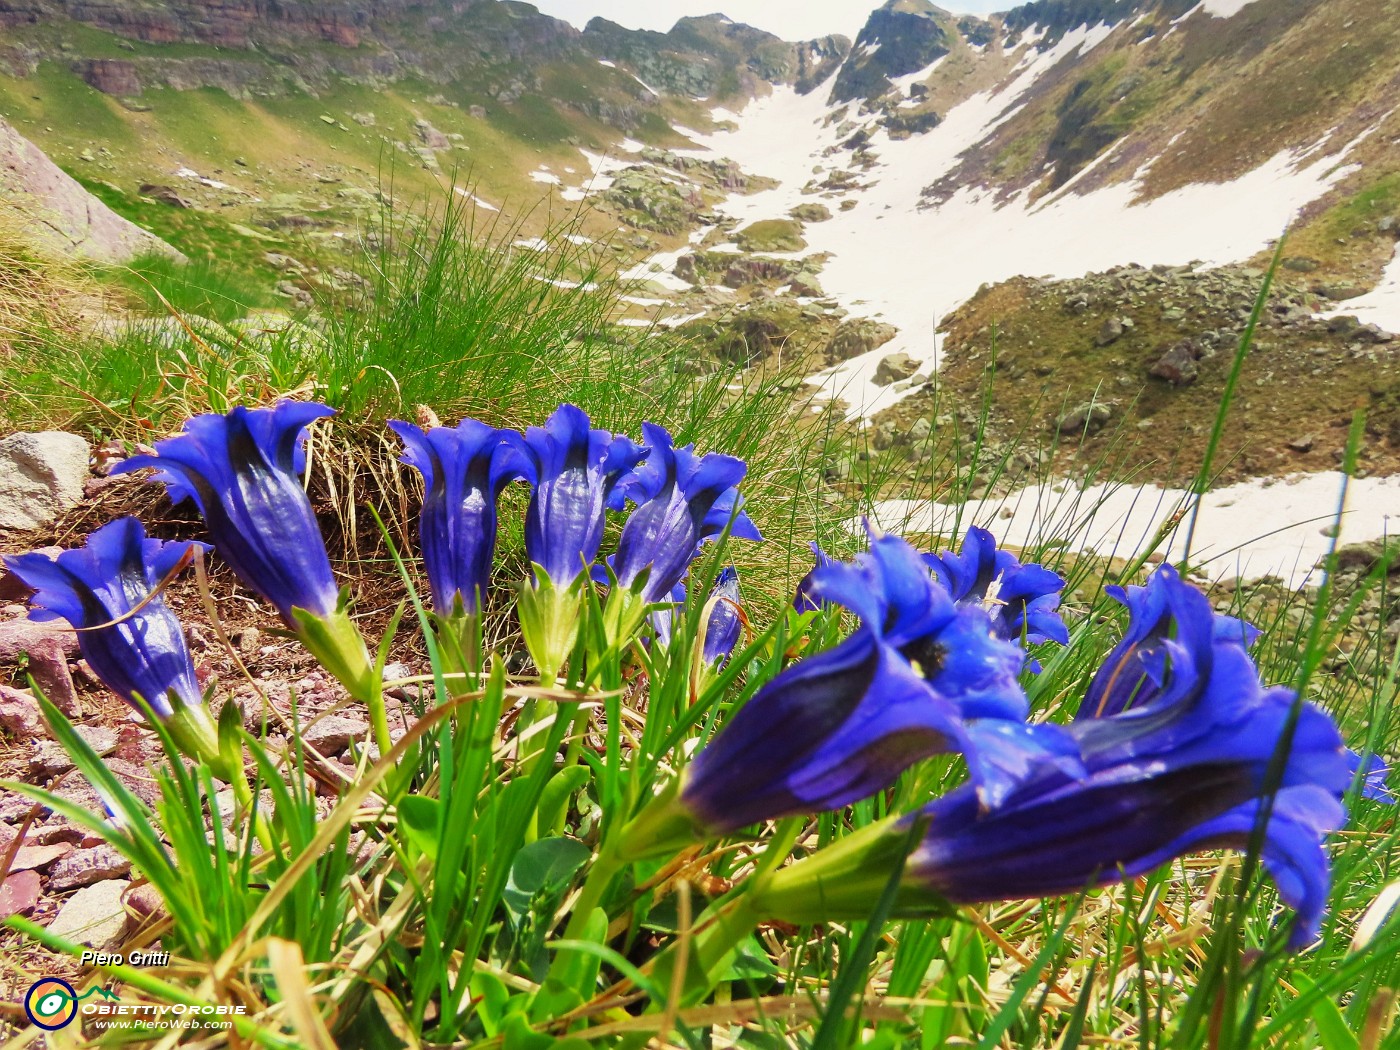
(829, 203)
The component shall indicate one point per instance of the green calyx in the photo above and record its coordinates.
(841, 881)
(664, 826)
(549, 622)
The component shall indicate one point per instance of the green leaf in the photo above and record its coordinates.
(542, 869)
(749, 962)
(420, 819)
(555, 797)
(1332, 1030)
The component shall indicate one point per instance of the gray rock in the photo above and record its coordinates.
(86, 866)
(1302, 444)
(430, 136)
(49, 758)
(1110, 332)
(1177, 365)
(164, 195)
(331, 734)
(55, 210)
(893, 368)
(41, 476)
(94, 916)
(920, 432)
(1088, 418)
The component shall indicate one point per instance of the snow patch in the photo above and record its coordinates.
(475, 199)
(1221, 8)
(190, 173)
(1381, 305)
(545, 176)
(918, 269)
(1262, 527)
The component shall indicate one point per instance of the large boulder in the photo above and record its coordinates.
(41, 476)
(859, 336)
(59, 214)
(895, 367)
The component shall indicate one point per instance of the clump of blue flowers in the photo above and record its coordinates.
(1177, 745)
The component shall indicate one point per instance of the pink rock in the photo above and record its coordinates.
(19, 894)
(36, 858)
(47, 648)
(26, 635)
(19, 714)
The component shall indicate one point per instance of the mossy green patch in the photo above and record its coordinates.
(772, 235)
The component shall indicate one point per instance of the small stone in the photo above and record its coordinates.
(331, 735)
(19, 894)
(1177, 366)
(50, 759)
(145, 900)
(1088, 418)
(247, 640)
(1301, 444)
(84, 867)
(397, 672)
(94, 916)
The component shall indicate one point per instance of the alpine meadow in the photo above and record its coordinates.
(524, 533)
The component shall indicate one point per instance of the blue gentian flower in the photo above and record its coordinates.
(682, 500)
(575, 469)
(1184, 766)
(464, 470)
(116, 571)
(725, 621)
(843, 724)
(663, 619)
(1163, 620)
(1021, 599)
(804, 600)
(241, 469)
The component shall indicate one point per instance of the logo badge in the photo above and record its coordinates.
(51, 1004)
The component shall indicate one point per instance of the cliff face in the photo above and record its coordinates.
(900, 38)
(441, 40)
(220, 23)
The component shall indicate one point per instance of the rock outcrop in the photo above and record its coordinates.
(59, 214)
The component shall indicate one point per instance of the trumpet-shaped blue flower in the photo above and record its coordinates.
(575, 469)
(663, 619)
(464, 469)
(241, 469)
(722, 626)
(1163, 619)
(725, 621)
(843, 724)
(1021, 599)
(805, 600)
(112, 578)
(682, 500)
(1185, 766)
